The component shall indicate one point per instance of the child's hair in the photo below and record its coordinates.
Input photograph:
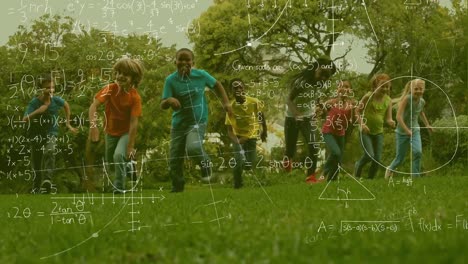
(340, 83)
(43, 79)
(410, 85)
(374, 82)
(234, 83)
(185, 49)
(131, 67)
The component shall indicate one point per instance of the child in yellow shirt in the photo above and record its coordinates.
(243, 129)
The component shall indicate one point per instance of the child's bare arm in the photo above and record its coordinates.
(264, 134)
(359, 113)
(231, 135)
(93, 129)
(66, 107)
(38, 111)
(170, 102)
(389, 118)
(401, 110)
(425, 121)
(131, 137)
(219, 89)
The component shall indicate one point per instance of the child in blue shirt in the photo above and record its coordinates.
(410, 108)
(42, 113)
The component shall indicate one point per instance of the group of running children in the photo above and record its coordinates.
(184, 93)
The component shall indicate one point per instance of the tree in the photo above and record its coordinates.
(416, 40)
(268, 37)
(266, 42)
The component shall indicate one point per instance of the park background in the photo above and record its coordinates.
(263, 42)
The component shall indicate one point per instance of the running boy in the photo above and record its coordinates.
(184, 92)
(243, 129)
(123, 108)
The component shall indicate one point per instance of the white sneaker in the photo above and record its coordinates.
(208, 179)
(388, 174)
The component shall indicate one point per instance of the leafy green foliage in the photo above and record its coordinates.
(425, 41)
(450, 144)
(81, 62)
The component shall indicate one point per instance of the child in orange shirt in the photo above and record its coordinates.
(123, 108)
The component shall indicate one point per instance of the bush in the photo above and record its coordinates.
(444, 140)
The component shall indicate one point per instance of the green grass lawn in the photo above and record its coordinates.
(281, 223)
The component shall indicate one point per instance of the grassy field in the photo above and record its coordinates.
(424, 221)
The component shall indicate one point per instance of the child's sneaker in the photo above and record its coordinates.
(209, 179)
(312, 179)
(388, 174)
(118, 191)
(321, 178)
(287, 165)
(131, 170)
(356, 165)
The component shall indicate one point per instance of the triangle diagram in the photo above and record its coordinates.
(348, 188)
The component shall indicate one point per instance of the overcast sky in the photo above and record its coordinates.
(164, 19)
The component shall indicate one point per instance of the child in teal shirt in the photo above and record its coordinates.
(184, 92)
(46, 106)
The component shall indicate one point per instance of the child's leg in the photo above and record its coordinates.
(176, 159)
(402, 146)
(291, 133)
(239, 156)
(36, 165)
(377, 142)
(417, 154)
(49, 158)
(308, 132)
(368, 148)
(195, 150)
(48, 163)
(250, 148)
(111, 144)
(340, 140)
(120, 158)
(335, 155)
